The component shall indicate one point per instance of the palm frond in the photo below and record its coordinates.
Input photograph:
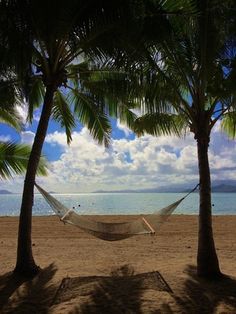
(8, 95)
(228, 124)
(14, 160)
(35, 96)
(11, 118)
(126, 115)
(160, 124)
(61, 113)
(91, 114)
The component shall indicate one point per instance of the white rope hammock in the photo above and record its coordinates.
(112, 231)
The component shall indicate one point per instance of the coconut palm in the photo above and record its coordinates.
(189, 86)
(61, 41)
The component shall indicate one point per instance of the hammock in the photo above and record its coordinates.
(112, 231)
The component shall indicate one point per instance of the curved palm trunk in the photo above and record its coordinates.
(25, 263)
(207, 261)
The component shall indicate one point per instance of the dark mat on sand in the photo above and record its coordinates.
(114, 286)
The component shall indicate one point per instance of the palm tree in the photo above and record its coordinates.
(189, 85)
(60, 42)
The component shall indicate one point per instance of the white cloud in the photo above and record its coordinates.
(56, 138)
(139, 163)
(144, 162)
(27, 137)
(5, 138)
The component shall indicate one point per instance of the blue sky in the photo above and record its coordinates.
(129, 163)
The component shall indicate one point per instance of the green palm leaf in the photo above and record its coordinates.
(61, 112)
(160, 124)
(35, 96)
(14, 160)
(91, 114)
(11, 118)
(228, 124)
(115, 90)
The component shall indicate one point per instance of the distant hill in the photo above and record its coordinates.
(154, 190)
(224, 188)
(5, 192)
(220, 188)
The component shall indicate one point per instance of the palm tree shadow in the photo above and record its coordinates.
(121, 292)
(19, 295)
(113, 295)
(9, 283)
(204, 296)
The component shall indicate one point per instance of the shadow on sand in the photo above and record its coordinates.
(201, 296)
(121, 292)
(19, 295)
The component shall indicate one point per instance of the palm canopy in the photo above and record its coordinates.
(91, 94)
(58, 45)
(191, 74)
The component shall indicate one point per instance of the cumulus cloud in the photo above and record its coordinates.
(143, 162)
(139, 163)
(5, 138)
(27, 137)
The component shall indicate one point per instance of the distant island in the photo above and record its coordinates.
(5, 192)
(224, 188)
(221, 188)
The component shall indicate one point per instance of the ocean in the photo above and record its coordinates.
(120, 203)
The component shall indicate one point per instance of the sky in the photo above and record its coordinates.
(130, 162)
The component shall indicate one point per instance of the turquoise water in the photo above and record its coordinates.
(124, 203)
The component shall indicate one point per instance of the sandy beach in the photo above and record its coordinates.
(142, 274)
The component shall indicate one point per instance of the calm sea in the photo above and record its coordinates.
(124, 203)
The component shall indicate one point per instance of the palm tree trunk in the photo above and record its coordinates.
(207, 260)
(25, 264)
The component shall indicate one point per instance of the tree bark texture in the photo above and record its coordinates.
(25, 264)
(207, 260)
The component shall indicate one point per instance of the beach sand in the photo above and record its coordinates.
(142, 274)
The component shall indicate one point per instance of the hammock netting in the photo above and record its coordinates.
(109, 231)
